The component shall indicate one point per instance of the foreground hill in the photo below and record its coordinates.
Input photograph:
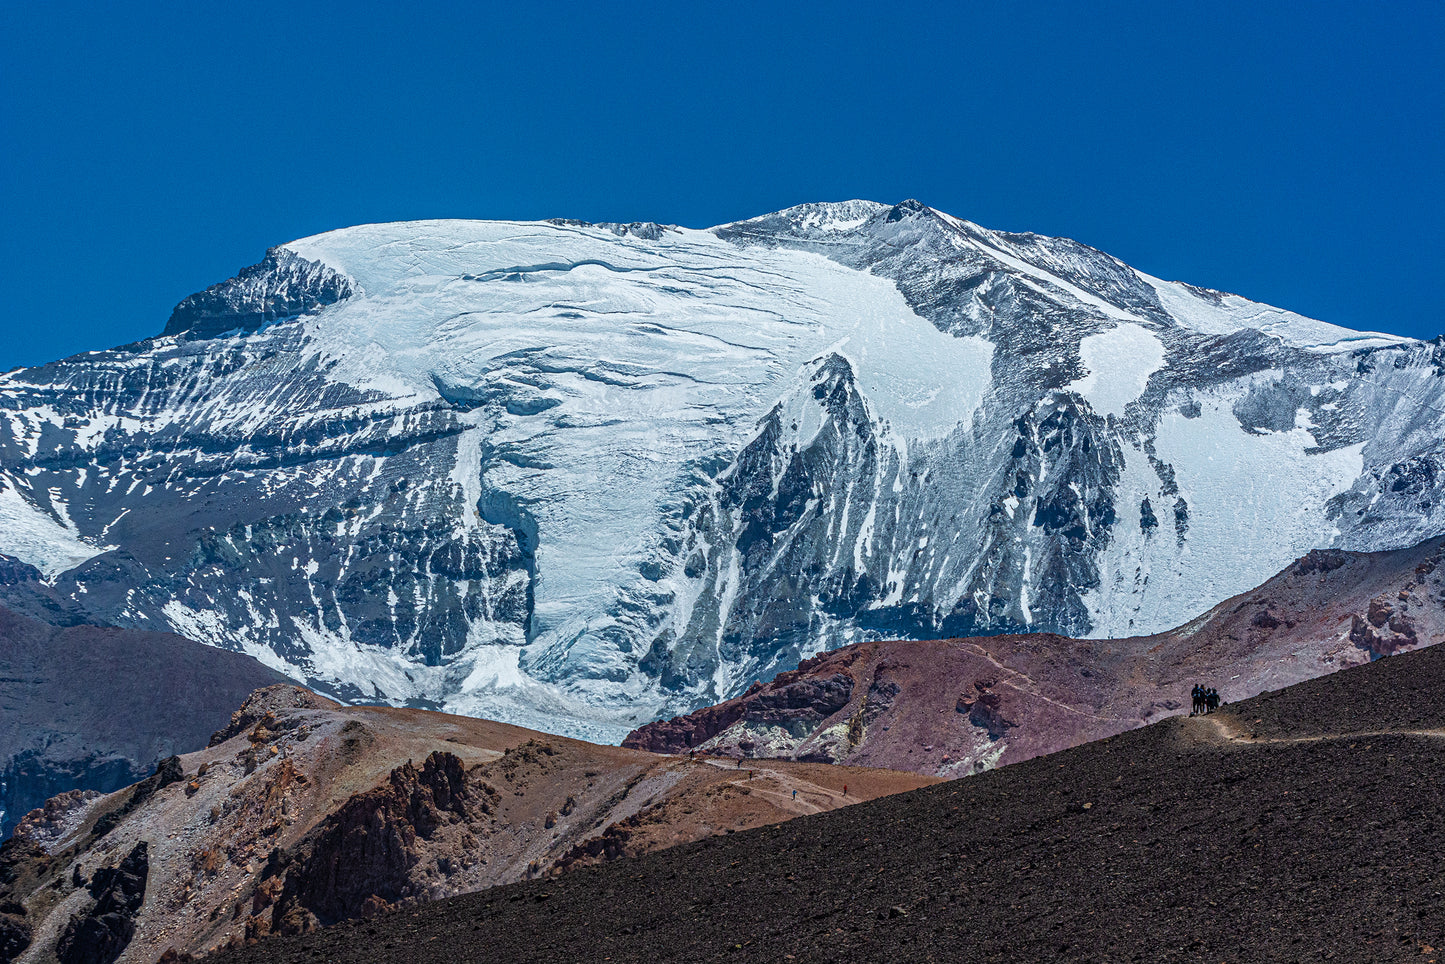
(94, 708)
(303, 812)
(957, 706)
(1302, 824)
(581, 476)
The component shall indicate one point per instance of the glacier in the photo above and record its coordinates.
(576, 476)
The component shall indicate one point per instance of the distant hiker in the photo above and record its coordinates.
(845, 789)
(1211, 700)
(750, 774)
(740, 763)
(1198, 694)
(795, 794)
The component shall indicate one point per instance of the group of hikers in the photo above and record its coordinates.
(1205, 700)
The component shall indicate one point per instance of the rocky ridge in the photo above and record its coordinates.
(1300, 824)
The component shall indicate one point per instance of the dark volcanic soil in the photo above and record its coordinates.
(1183, 841)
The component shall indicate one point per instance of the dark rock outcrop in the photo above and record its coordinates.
(101, 934)
(13, 572)
(14, 932)
(797, 701)
(168, 771)
(985, 708)
(283, 285)
(361, 857)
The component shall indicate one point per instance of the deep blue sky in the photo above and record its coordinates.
(148, 152)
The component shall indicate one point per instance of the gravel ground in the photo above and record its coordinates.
(1307, 824)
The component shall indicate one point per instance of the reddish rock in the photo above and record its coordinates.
(801, 698)
(365, 850)
(1380, 612)
(987, 701)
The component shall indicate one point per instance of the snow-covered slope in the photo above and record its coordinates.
(575, 476)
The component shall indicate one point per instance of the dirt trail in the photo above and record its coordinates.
(1232, 731)
(788, 781)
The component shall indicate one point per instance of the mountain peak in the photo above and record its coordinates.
(907, 209)
(282, 285)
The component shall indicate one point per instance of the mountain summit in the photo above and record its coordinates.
(578, 476)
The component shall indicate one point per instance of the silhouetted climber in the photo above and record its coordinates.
(1198, 694)
(795, 794)
(1213, 700)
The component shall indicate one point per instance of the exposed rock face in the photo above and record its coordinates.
(101, 933)
(1383, 631)
(954, 707)
(303, 812)
(55, 820)
(282, 286)
(985, 708)
(259, 714)
(796, 702)
(96, 708)
(32, 777)
(385, 457)
(364, 854)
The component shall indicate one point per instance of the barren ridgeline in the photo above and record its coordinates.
(303, 813)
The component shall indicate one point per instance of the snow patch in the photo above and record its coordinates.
(1119, 363)
(33, 537)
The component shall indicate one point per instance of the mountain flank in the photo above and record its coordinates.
(95, 708)
(386, 456)
(1302, 824)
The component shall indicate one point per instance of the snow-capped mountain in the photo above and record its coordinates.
(576, 476)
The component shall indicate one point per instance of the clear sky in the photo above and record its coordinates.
(1293, 153)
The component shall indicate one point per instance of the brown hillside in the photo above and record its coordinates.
(303, 812)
